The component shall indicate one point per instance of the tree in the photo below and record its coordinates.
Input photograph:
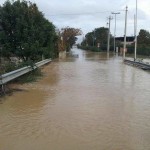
(102, 36)
(98, 35)
(144, 38)
(25, 33)
(89, 38)
(69, 38)
(143, 41)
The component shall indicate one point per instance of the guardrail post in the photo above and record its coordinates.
(2, 89)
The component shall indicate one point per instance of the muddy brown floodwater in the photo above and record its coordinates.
(89, 102)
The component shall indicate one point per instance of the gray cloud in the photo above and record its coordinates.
(90, 14)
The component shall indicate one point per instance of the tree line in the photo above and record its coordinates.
(143, 43)
(98, 37)
(26, 34)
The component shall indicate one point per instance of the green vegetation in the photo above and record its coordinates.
(141, 49)
(30, 77)
(143, 44)
(10, 66)
(26, 37)
(97, 37)
(25, 33)
(68, 38)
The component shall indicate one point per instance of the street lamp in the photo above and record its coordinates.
(115, 13)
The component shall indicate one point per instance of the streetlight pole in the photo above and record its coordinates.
(94, 38)
(135, 48)
(117, 13)
(125, 32)
(108, 41)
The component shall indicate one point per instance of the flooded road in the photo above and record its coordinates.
(89, 102)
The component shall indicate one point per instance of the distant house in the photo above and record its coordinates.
(129, 40)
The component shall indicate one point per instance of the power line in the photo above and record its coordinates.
(86, 13)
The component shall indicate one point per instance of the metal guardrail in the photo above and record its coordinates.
(139, 64)
(19, 72)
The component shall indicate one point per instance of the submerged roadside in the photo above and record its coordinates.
(30, 73)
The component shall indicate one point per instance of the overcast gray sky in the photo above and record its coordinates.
(90, 14)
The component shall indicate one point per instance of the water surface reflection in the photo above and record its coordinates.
(88, 102)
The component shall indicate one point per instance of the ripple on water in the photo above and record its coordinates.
(90, 102)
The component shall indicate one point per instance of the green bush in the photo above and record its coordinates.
(141, 49)
(9, 66)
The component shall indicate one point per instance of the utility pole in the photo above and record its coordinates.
(94, 38)
(115, 13)
(108, 41)
(125, 32)
(134, 27)
(135, 48)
